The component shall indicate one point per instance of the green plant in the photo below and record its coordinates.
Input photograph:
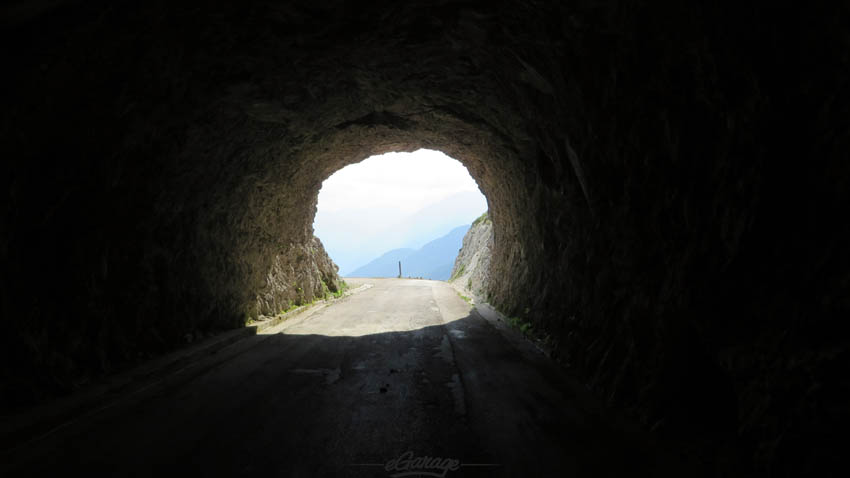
(340, 290)
(290, 305)
(458, 273)
(523, 326)
(482, 218)
(467, 299)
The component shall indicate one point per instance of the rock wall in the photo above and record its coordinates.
(471, 271)
(298, 275)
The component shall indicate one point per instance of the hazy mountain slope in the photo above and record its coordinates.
(417, 229)
(442, 272)
(354, 236)
(384, 266)
(433, 261)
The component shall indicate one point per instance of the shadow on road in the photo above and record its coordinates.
(374, 405)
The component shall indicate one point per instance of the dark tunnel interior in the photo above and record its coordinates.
(666, 182)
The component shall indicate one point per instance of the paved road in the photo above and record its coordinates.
(405, 369)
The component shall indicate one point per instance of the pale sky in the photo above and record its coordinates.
(404, 181)
(392, 201)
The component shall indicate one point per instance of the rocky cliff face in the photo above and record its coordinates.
(471, 271)
(299, 274)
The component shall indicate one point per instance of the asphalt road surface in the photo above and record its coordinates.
(402, 379)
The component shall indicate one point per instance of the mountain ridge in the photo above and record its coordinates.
(434, 260)
(353, 237)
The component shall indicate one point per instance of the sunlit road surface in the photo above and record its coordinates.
(400, 378)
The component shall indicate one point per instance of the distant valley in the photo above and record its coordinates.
(353, 237)
(433, 260)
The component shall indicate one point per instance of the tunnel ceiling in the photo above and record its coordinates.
(163, 164)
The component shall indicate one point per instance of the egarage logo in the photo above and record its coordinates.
(409, 465)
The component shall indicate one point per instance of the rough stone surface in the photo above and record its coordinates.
(471, 272)
(668, 183)
(297, 275)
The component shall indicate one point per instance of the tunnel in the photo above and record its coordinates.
(666, 182)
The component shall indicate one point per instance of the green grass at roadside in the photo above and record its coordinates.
(465, 298)
(458, 273)
(294, 304)
(523, 326)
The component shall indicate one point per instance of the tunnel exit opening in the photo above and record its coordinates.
(398, 211)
